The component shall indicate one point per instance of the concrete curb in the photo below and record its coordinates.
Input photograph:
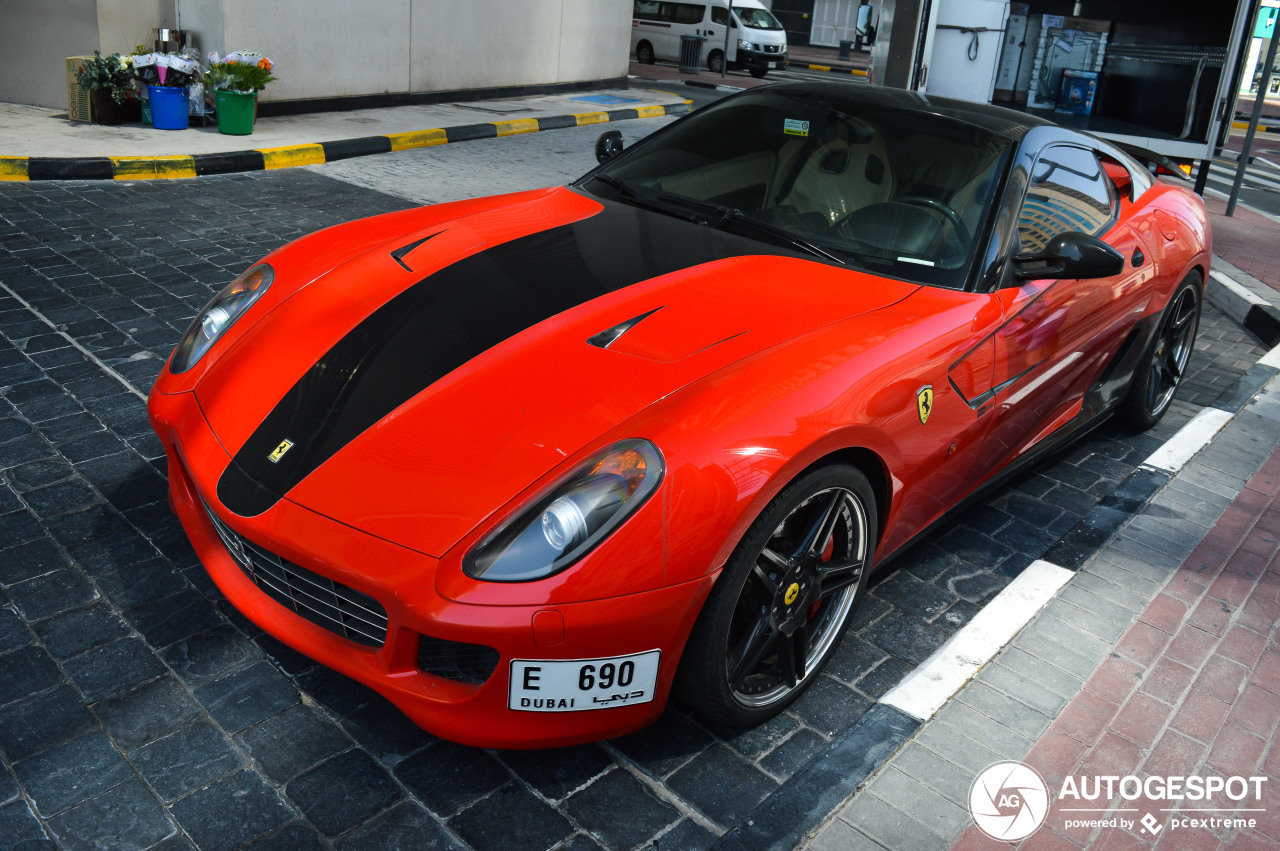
(1246, 300)
(258, 159)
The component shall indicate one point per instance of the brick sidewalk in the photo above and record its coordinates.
(1193, 688)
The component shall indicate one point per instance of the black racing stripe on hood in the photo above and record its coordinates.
(450, 317)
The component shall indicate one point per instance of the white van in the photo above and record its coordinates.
(757, 41)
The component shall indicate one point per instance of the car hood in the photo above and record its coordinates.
(425, 383)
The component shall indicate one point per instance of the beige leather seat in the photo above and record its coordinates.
(839, 176)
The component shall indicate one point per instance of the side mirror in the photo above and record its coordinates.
(609, 145)
(1070, 255)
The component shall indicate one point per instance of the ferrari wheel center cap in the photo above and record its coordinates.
(792, 599)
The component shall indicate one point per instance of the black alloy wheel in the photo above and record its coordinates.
(1161, 371)
(715, 61)
(784, 599)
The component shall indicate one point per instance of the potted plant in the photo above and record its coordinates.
(166, 76)
(236, 80)
(109, 80)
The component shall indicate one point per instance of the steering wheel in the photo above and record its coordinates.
(961, 232)
(953, 247)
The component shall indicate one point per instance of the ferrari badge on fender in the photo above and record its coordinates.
(286, 445)
(924, 402)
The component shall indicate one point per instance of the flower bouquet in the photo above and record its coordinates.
(236, 80)
(109, 80)
(166, 76)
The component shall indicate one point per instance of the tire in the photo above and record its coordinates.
(758, 73)
(1164, 363)
(792, 585)
(715, 61)
(644, 53)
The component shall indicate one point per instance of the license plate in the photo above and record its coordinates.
(582, 684)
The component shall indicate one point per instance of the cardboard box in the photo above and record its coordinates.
(79, 106)
(1076, 95)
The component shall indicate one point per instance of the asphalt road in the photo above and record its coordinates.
(134, 703)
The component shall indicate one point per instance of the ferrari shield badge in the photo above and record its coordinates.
(285, 446)
(924, 402)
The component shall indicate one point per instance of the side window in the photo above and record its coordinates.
(646, 10)
(719, 15)
(1068, 192)
(688, 13)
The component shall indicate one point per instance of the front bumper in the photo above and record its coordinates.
(760, 59)
(402, 582)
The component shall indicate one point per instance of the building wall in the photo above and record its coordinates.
(36, 40)
(331, 48)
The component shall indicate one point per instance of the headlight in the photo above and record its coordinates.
(219, 315)
(568, 520)
(744, 45)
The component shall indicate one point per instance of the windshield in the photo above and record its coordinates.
(757, 19)
(896, 192)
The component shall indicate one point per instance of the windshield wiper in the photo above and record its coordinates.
(631, 196)
(725, 214)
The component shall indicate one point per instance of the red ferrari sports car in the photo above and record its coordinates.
(529, 465)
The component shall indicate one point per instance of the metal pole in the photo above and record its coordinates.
(728, 26)
(1264, 83)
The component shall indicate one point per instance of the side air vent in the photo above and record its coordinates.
(399, 254)
(609, 336)
(464, 663)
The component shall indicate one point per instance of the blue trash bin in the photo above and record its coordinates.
(168, 107)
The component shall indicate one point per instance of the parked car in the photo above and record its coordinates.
(756, 40)
(529, 465)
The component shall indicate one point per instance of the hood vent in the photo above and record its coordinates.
(609, 336)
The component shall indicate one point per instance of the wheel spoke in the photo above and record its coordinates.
(770, 587)
(776, 561)
(835, 576)
(796, 654)
(754, 647)
(816, 538)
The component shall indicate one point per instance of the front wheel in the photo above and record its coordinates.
(715, 61)
(783, 600)
(1164, 364)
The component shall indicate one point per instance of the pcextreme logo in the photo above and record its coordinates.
(1009, 801)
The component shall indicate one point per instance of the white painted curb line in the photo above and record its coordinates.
(1271, 359)
(1189, 440)
(923, 692)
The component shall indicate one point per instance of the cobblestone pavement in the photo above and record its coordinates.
(137, 708)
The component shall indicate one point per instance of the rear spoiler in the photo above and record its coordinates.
(1156, 163)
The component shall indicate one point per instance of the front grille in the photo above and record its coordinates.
(465, 663)
(339, 609)
(773, 48)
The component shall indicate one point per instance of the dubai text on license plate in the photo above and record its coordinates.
(579, 684)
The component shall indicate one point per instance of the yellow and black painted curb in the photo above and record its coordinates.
(198, 165)
(1262, 128)
(857, 72)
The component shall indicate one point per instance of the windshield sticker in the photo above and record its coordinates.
(795, 127)
(917, 261)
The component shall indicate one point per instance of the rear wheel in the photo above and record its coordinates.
(644, 53)
(784, 599)
(715, 61)
(1164, 365)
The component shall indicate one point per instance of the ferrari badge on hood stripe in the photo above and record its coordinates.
(278, 452)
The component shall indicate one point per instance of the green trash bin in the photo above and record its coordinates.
(235, 112)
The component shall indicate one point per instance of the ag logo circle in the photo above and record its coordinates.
(1008, 801)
